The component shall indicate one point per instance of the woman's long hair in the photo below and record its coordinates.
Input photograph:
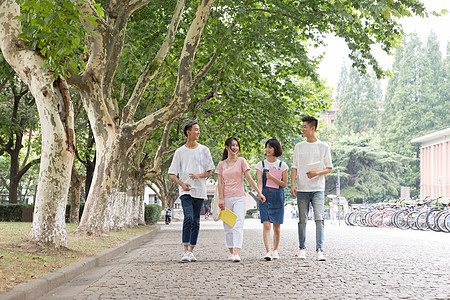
(228, 143)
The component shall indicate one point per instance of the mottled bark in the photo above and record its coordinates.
(56, 117)
(115, 138)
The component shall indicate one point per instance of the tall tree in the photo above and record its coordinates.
(367, 169)
(279, 29)
(357, 104)
(415, 98)
(56, 118)
(18, 120)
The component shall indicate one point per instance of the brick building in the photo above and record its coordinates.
(435, 164)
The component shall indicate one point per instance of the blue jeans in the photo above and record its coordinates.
(191, 223)
(303, 201)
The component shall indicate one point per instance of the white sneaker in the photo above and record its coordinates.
(275, 254)
(231, 257)
(320, 256)
(186, 257)
(237, 258)
(268, 256)
(301, 254)
(192, 257)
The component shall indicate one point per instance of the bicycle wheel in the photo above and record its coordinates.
(440, 221)
(400, 219)
(388, 217)
(376, 219)
(431, 219)
(422, 221)
(411, 219)
(447, 222)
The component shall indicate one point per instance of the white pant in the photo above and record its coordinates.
(235, 235)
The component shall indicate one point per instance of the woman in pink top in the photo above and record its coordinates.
(230, 179)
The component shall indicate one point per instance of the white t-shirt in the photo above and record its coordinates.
(196, 161)
(274, 165)
(306, 153)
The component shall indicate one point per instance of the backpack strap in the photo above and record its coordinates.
(280, 164)
(263, 164)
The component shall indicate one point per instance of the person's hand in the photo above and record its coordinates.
(186, 187)
(262, 198)
(293, 192)
(270, 176)
(311, 174)
(194, 176)
(222, 204)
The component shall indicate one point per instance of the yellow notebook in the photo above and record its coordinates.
(228, 216)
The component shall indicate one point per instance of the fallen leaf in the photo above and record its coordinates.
(45, 266)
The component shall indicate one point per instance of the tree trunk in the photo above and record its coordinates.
(76, 185)
(90, 167)
(104, 195)
(56, 118)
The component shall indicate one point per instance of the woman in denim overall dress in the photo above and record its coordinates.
(272, 210)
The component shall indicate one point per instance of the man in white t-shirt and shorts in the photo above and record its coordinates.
(312, 160)
(192, 163)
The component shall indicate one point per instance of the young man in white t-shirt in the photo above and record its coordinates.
(312, 160)
(192, 163)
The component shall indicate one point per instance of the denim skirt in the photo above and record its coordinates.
(272, 209)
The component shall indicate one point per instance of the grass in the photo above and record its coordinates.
(22, 261)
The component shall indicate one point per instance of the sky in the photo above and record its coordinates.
(336, 51)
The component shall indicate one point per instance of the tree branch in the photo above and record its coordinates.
(270, 12)
(210, 95)
(156, 170)
(28, 148)
(25, 168)
(5, 184)
(180, 98)
(152, 68)
(211, 62)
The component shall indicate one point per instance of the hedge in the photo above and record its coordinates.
(152, 213)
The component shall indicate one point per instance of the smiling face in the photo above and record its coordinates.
(233, 148)
(270, 151)
(193, 133)
(308, 130)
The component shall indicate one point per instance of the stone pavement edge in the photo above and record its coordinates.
(42, 285)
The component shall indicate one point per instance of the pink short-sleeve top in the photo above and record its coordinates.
(233, 177)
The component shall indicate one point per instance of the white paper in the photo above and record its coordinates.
(188, 180)
(315, 166)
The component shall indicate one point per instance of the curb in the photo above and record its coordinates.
(42, 285)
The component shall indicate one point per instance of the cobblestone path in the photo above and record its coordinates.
(362, 263)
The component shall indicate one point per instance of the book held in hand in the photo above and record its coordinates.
(277, 174)
(228, 216)
(315, 166)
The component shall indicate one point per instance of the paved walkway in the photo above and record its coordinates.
(362, 263)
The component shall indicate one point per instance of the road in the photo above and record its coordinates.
(362, 263)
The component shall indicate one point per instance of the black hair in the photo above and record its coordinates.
(275, 144)
(188, 125)
(228, 143)
(311, 121)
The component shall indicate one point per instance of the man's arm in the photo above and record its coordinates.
(312, 174)
(202, 175)
(186, 187)
(293, 177)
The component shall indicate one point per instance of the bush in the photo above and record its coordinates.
(250, 212)
(11, 212)
(152, 213)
